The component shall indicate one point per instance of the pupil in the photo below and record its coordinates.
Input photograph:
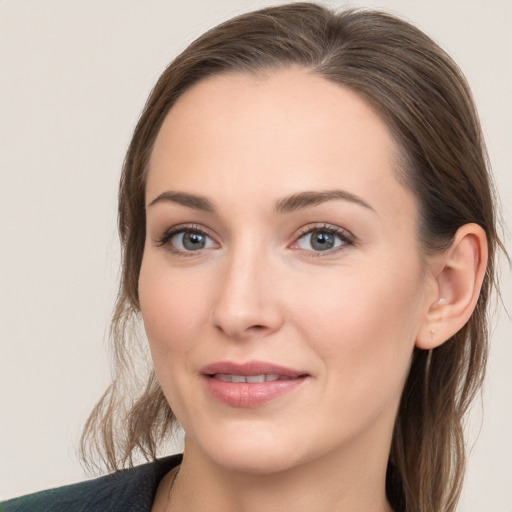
(193, 241)
(322, 241)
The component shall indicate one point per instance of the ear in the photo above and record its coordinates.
(458, 273)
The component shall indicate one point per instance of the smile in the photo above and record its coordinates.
(250, 384)
(226, 377)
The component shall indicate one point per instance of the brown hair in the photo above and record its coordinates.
(424, 98)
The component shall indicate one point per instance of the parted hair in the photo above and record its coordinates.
(423, 97)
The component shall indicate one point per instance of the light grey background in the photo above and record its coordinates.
(73, 79)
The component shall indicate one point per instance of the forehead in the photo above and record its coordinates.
(286, 131)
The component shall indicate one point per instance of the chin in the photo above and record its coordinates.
(251, 451)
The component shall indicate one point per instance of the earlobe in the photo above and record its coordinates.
(460, 271)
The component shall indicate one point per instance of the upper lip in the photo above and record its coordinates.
(250, 368)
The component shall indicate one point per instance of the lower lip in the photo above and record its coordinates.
(250, 394)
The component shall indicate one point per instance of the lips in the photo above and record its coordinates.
(226, 377)
(250, 384)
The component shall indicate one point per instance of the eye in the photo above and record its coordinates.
(191, 241)
(183, 240)
(323, 239)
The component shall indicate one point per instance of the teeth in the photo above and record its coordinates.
(255, 378)
(226, 377)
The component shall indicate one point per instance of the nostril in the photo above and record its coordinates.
(242, 332)
(257, 328)
(241, 318)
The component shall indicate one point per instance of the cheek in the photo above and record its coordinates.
(361, 304)
(364, 333)
(364, 325)
(171, 308)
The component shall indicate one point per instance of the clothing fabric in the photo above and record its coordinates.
(128, 490)
(132, 490)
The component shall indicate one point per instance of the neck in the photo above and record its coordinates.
(322, 485)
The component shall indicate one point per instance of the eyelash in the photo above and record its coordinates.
(346, 238)
(183, 228)
(343, 235)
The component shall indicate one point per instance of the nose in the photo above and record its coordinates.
(246, 304)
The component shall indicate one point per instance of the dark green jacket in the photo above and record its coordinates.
(129, 490)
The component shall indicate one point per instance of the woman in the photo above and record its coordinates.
(309, 237)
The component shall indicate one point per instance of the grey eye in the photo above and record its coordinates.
(319, 240)
(191, 241)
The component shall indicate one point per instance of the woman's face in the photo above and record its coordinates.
(281, 286)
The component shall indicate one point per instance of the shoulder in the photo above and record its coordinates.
(126, 490)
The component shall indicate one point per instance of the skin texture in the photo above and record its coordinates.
(349, 317)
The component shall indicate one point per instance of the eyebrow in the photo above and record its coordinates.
(312, 198)
(185, 199)
(287, 204)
